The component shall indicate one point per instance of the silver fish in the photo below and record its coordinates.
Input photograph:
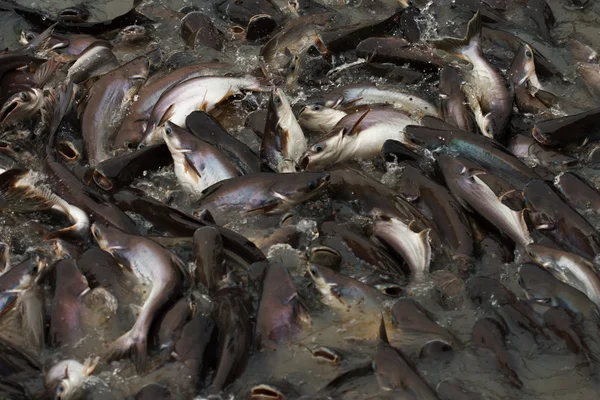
(198, 165)
(574, 270)
(473, 193)
(357, 136)
(21, 106)
(202, 93)
(66, 378)
(319, 118)
(485, 88)
(283, 138)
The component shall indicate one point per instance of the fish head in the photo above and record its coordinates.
(300, 187)
(177, 139)
(18, 150)
(279, 103)
(487, 125)
(539, 254)
(108, 238)
(66, 390)
(20, 106)
(293, 71)
(26, 37)
(323, 154)
(325, 255)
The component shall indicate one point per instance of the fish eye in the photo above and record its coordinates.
(128, 144)
(312, 185)
(277, 100)
(30, 36)
(169, 130)
(17, 148)
(317, 107)
(23, 96)
(528, 54)
(317, 148)
(34, 268)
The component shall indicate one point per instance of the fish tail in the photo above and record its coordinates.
(461, 47)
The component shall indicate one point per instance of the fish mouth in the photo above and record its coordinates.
(266, 392)
(67, 151)
(6, 112)
(323, 353)
(304, 162)
(101, 180)
(538, 136)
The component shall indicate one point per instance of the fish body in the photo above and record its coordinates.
(453, 100)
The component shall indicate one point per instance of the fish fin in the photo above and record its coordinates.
(39, 43)
(89, 365)
(320, 45)
(354, 129)
(191, 41)
(45, 72)
(472, 172)
(266, 206)
(457, 46)
(188, 165)
(382, 331)
(288, 53)
(167, 115)
(130, 342)
(424, 235)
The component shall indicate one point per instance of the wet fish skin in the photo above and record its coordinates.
(488, 153)
(570, 268)
(66, 378)
(552, 216)
(486, 90)
(346, 295)
(21, 107)
(209, 258)
(319, 118)
(196, 348)
(153, 391)
(472, 192)
(70, 285)
(575, 128)
(280, 312)
(232, 314)
(446, 212)
(172, 323)
(96, 60)
(283, 138)
(107, 104)
(527, 148)
(562, 322)
(356, 136)
(539, 285)
(152, 264)
(198, 165)
(488, 333)
(453, 100)
(201, 93)
(393, 372)
(578, 193)
(522, 69)
(261, 193)
(408, 315)
(207, 128)
(400, 52)
(131, 131)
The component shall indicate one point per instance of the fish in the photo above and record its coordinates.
(198, 165)
(574, 270)
(540, 285)
(66, 378)
(207, 128)
(261, 193)
(21, 191)
(281, 314)
(107, 104)
(488, 333)
(151, 264)
(472, 192)
(209, 258)
(122, 170)
(232, 313)
(517, 315)
(401, 52)
(578, 193)
(70, 285)
(356, 136)
(409, 315)
(487, 92)
(370, 94)
(529, 150)
(198, 29)
(348, 297)
(319, 118)
(201, 93)
(446, 211)
(414, 247)
(131, 131)
(18, 279)
(96, 60)
(522, 69)
(578, 128)
(552, 216)
(394, 373)
(21, 107)
(260, 26)
(488, 153)
(453, 101)
(283, 138)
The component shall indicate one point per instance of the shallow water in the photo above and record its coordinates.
(549, 371)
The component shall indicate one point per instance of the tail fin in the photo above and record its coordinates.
(457, 46)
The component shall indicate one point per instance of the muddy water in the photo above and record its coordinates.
(548, 371)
